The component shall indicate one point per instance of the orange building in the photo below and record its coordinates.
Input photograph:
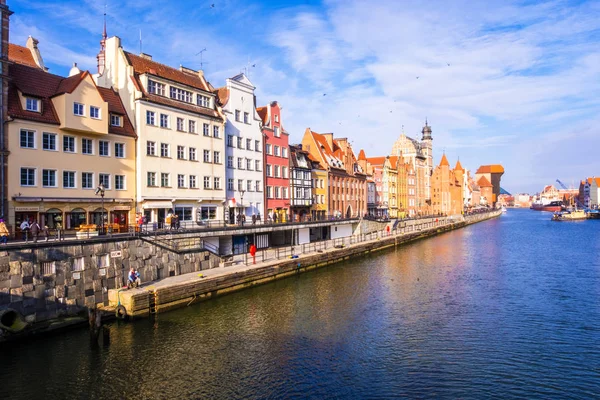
(492, 173)
(447, 188)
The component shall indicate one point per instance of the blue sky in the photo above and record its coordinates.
(522, 88)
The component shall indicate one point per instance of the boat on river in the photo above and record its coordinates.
(553, 206)
(574, 215)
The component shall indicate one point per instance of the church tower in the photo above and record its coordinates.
(427, 149)
(102, 53)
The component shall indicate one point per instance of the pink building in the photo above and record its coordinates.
(277, 165)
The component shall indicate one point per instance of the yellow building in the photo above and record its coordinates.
(67, 137)
(319, 209)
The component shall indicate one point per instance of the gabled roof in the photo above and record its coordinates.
(444, 161)
(21, 55)
(483, 182)
(376, 161)
(458, 166)
(115, 106)
(263, 113)
(67, 85)
(33, 82)
(361, 155)
(394, 161)
(143, 65)
(222, 95)
(493, 169)
(327, 152)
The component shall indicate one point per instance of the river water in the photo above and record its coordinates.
(507, 308)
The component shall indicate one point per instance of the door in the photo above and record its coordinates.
(162, 214)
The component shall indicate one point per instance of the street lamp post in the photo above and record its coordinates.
(100, 191)
(242, 202)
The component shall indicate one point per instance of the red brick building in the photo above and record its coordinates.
(277, 165)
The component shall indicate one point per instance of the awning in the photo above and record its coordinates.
(157, 204)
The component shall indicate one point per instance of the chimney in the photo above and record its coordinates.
(32, 45)
(146, 56)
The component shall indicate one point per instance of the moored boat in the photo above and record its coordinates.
(553, 206)
(574, 215)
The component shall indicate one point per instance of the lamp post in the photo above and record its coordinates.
(100, 191)
(242, 191)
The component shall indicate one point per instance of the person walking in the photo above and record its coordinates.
(3, 232)
(35, 230)
(24, 229)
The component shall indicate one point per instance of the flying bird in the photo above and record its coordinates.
(324, 94)
(448, 64)
(417, 77)
(212, 6)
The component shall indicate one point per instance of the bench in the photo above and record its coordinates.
(86, 230)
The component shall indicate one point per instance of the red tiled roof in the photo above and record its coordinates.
(21, 55)
(115, 106)
(263, 114)
(458, 166)
(144, 66)
(34, 82)
(182, 105)
(361, 155)
(67, 85)
(483, 182)
(444, 161)
(394, 161)
(222, 95)
(494, 169)
(376, 160)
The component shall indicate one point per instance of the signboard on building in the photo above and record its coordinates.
(116, 254)
(26, 209)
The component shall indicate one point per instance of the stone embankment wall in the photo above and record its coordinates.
(47, 282)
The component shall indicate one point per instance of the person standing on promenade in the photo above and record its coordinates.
(35, 230)
(24, 229)
(3, 232)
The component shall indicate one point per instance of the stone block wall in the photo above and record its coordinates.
(48, 282)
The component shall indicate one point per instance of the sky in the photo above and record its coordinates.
(506, 82)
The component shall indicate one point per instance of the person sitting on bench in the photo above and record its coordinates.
(134, 278)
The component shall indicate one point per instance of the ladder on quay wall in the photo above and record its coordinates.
(152, 300)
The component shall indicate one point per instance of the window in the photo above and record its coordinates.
(156, 88)
(230, 184)
(217, 182)
(258, 186)
(87, 146)
(257, 165)
(284, 192)
(239, 143)
(248, 164)
(192, 126)
(276, 151)
(180, 180)
(27, 176)
(120, 182)
(268, 148)
(104, 180)
(269, 192)
(27, 139)
(184, 213)
(276, 171)
(164, 121)
(206, 129)
(69, 179)
(277, 192)
(207, 156)
(207, 212)
(230, 140)
(229, 161)
(49, 141)
(120, 150)
(237, 115)
(216, 131)
(180, 153)
(257, 145)
(49, 178)
(150, 148)
(78, 109)
(284, 172)
(207, 182)
(87, 180)
(276, 129)
(103, 148)
(151, 178)
(240, 163)
(94, 112)
(115, 120)
(181, 95)
(164, 150)
(192, 181)
(240, 185)
(164, 180)
(284, 152)
(217, 157)
(69, 144)
(249, 186)
(180, 124)
(268, 169)
(192, 154)
(248, 144)
(203, 101)
(32, 104)
(246, 117)
(150, 118)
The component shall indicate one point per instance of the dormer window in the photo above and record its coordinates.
(276, 131)
(78, 109)
(94, 112)
(156, 88)
(203, 101)
(115, 120)
(181, 95)
(32, 104)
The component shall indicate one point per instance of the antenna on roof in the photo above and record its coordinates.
(104, 32)
(200, 52)
(140, 40)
